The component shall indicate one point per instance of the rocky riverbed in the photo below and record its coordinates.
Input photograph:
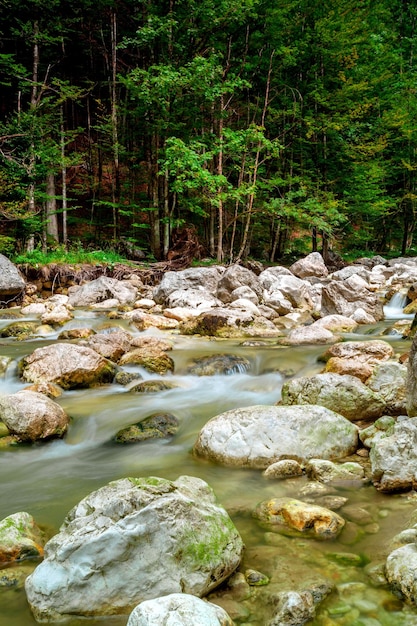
(293, 419)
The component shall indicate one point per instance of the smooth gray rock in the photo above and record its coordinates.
(178, 609)
(12, 284)
(257, 436)
(133, 540)
(343, 299)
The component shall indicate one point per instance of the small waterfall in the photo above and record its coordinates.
(395, 307)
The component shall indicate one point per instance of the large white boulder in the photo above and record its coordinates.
(133, 540)
(257, 436)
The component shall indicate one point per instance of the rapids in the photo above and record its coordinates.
(47, 480)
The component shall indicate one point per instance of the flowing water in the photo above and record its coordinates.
(47, 480)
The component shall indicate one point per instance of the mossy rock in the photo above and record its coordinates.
(159, 364)
(153, 386)
(157, 426)
(125, 378)
(219, 364)
(20, 330)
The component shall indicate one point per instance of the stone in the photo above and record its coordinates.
(287, 468)
(32, 416)
(315, 520)
(67, 365)
(20, 538)
(328, 472)
(234, 277)
(401, 572)
(394, 458)
(201, 278)
(337, 323)
(219, 364)
(357, 358)
(110, 345)
(342, 393)
(411, 385)
(258, 436)
(311, 265)
(389, 381)
(100, 290)
(157, 426)
(343, 299)
(132, 540)
(312, 334)
(178, 609)
(12, 283)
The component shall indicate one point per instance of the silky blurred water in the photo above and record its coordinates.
(47, 480)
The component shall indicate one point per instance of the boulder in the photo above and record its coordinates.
(157, 426)
(411, 385)
(12, 283)
(293, 608)
(236, 277)
(337, 323)
(343, 394)
(150, 353)
(316, 520)
(57, 310)
(110, 345)
(394, 457)
(328, 472)
(134, 539)
(219, 364)
(100, 290)
(312, 334)
(178, 609)
(287, 468)
(198, 278)
(32, 416)
(67, 365)
(231, 322)
(389, 380)
(357, 358)
(311, 265)
(20, 538)
(343, 299)
(293, 289)
(143, 321)
(401, 572)
(258, 436)
(199, 299)
(380, 429)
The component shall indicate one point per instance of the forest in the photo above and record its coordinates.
(239, 128)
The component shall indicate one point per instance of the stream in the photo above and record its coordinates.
(46, 480)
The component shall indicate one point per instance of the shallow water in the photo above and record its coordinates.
(47, 480)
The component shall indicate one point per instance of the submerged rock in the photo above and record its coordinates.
(133, 540)
(318, 521)
(257, 436)
(156, 426)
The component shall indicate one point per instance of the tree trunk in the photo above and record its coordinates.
(51, 217)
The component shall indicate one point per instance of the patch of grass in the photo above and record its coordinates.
(76, 256)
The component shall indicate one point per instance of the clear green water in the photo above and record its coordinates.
(47, 480)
